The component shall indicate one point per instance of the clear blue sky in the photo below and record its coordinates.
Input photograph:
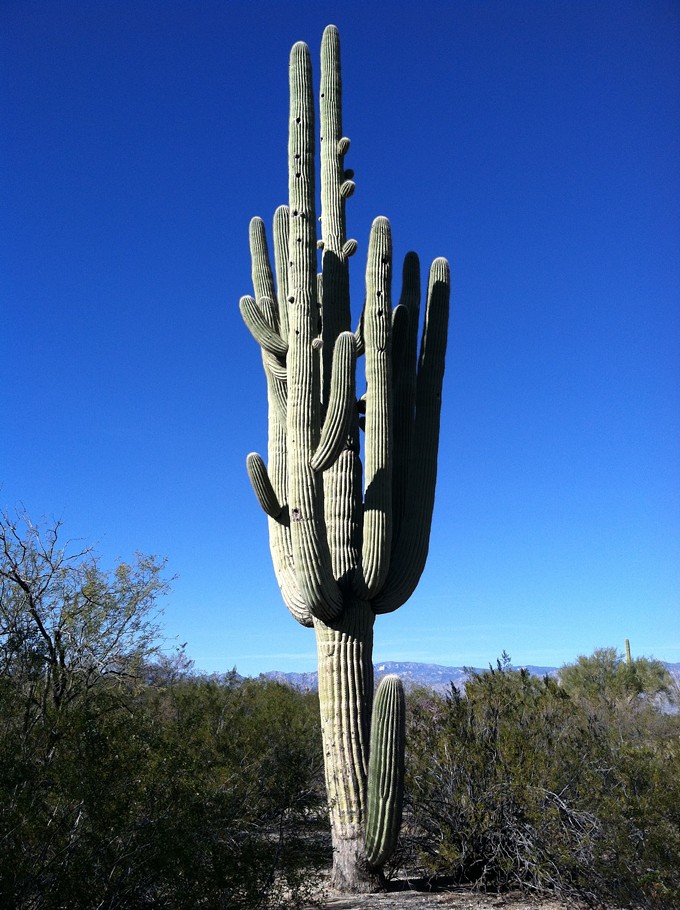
(535, 144)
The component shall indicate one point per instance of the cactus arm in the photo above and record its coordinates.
(377, 528)
(336, 426)
(281, 230)
(267, 324)
(311, 556)
(261, 270)
(385, 771)
(400, 331)
(262, 485)
(258, 325)
(404, 365)
(263, 326)
(261, 315)
(410, 551)
(359, 334)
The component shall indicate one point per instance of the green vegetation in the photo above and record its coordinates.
(125, 781)
(606, 677)
(520, 784)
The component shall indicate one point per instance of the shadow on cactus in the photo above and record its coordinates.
(348, 541)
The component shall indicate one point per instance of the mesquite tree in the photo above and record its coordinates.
(345, 548)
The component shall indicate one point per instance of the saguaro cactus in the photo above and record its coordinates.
(345, 550)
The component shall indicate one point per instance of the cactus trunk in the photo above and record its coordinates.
(345, 700)
(345, 548)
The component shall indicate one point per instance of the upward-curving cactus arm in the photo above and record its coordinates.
(341, 404)
(281, 230)
(386, 771)
(404, 365)
(410, 548)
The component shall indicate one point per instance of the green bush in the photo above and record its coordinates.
(126, 783)
(204, 793)
(517, 784)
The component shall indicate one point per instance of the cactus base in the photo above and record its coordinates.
(351, 874)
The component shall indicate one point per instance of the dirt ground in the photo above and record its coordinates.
(403, 896)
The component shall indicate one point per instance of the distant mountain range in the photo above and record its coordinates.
(432, 676)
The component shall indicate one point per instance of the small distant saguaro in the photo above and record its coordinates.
(348, 539)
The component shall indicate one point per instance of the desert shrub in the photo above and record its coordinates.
(204, 793)
(126, 781)
(516, 784)
(605, 679)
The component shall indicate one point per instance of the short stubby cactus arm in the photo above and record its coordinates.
(410, 548)
(377, 527)
(262, 485)
(311, 555)
(386, 771)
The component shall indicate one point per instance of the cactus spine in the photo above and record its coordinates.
(345, 548)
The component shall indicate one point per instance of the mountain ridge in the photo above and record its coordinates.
(432, 676)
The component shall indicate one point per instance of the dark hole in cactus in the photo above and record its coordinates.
(294, 213)
(298, 174)
(298, 119)
(295, 515)
(379, 312)
(378, 293)
(291, 299)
